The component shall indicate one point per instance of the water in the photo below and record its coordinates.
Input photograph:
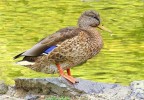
(25, 22)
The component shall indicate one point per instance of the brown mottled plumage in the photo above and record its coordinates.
(75, 45)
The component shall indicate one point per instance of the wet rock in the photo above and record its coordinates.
(3, 87)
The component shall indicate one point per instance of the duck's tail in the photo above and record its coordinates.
(25, 63)
(17, 56)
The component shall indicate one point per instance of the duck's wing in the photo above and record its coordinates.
(49, 41)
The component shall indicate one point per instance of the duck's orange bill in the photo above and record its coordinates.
(104, 28)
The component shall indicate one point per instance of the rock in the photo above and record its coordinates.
(50, 88)
(137, 90)
(62, 87)
(3, 87)
(31, 97)
(7, 97)
(12, 91)
(117, 93)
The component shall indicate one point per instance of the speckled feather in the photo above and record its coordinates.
(74, 46)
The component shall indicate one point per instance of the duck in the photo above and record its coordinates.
(66, 48)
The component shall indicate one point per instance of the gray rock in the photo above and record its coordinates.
(137, 90)
(14, 92)
(42, 88)
(3, 87)
(62, 87)
(7, 97)
(31, 97)
(117, 93)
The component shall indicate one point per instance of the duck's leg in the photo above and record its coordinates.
(68, 72)
(68, 77)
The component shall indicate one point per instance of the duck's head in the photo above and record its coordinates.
(91, 18)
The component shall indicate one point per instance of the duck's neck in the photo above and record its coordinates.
(89, 28)
(95, 37)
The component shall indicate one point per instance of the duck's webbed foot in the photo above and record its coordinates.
(68, 76)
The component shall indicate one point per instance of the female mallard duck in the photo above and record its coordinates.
(66, 48)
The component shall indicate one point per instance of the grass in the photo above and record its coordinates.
(58, 98)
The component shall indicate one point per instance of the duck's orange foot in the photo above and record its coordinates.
(68, 77)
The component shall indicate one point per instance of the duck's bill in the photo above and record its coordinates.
(104, 28)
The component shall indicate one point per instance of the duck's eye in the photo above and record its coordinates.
(96, 18)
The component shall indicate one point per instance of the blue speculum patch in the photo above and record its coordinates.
(49, 49)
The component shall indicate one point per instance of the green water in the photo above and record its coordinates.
(25, 22)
